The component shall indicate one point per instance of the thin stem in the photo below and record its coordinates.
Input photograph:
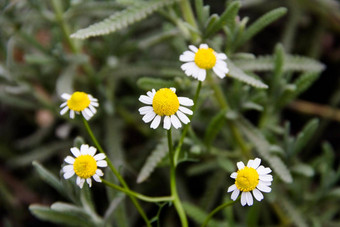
(189, 17)
(217, 209)
(174, 194)
(138, 195)
(185, 130)
(116, 173)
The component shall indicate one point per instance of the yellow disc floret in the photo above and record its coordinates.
(205, 58)
(78, 101)
(165, 102)
(247, 179)
(85, 166)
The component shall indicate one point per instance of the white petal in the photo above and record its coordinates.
(167, 123)
(102, 163)
(99, 172)
(72, 114)
(150, 94)
(240, 165)
(145, 99)
(249, 198)
(69, 160)
(92, 109)
(155, 122)
(81, 182)
(232, 188)
(149, 116)
(84, 149)
(201, 74)
(63, 111)
(91, 151)
(222, 66)
(145, 109)
(263, 187)
(175, 122)
(243, 199)
(188, 68)
(262, 170)
(250, 163)
(256, 163)
(266, 177)
(195, 71)
(85, 115)
(63, 104)
(89, 182)
(96, 178)
(183, 117)
(88, 112)
(65, 96)
(204, 46)
(235, 194)
(187, 56)
(257, 194)
(75, 151)
(185, 101)
(173, 89)
(68, 168)
(99, 156)
(95, 104)
(219, 73)
(233, 175)
(266, 183)
(68, 174)
(185, 110)
(221, 56)
(193, 48)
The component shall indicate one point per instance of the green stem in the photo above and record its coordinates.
(217, 209)
(174, 194)
(189, 17)
(185, 130)
(138, 195)
(116, 173)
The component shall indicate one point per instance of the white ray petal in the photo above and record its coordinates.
(99, 156)
(145, 109)
(233, 175)
(155, 122)
(85, 115)
(250, 163)
(167, 123)
(68, 168)
(145, 99)
(232, 188)
(185, 110)
(65, 96)
(84, 149)
(69, 160)
(204, 46)
(202, 73)
(187, 56)
(92, 109)
(149, 116)
(243, 199)
(221, 56)
(235, 194)
(257, 194)
(263, 187)
(75, 151)
(193, 48)
(266, 177)
(256, 163)
(102, 163)
(89, 182)
(96, 178)
(68, 174)
(262, 170)
(218, 73)
(99, 172)
(183, 117)
(92, 150)
(185, 101)
(240, 165)
(72, 114)
(175, 122)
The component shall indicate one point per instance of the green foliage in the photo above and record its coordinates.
(136, 12)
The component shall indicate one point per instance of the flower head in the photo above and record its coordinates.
(197, 61)
(251, 178)
(165, 103)
(79, 102)
(84, 165)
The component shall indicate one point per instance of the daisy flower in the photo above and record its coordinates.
(251, 178)
(165, 103)
(84, 165)
(197, 61)
(79, 102)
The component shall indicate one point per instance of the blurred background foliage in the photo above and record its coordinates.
(293, 125)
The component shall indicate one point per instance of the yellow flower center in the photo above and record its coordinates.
(247, 179)
(165, 102)
(78, 101)
(85, 166)
(205, 58)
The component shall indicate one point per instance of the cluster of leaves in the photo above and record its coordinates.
(137, 50)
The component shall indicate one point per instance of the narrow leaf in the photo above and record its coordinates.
(237, 73)
(198, 215)
(305, 135)
(214, 127)
(261, 23)
(122, 19)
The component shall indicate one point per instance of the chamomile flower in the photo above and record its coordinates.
(84, 165)
(197, 61)
(79, 102)
(165, 103)
(250, 180)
